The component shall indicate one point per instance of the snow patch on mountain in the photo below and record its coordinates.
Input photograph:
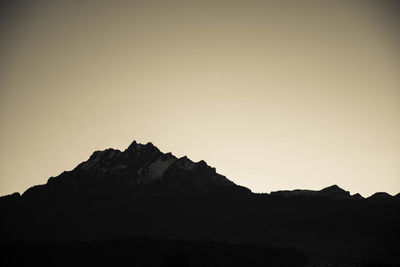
(155, 170)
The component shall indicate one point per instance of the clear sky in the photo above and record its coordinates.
(274, 94)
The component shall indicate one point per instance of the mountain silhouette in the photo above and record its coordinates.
(333, 191)
(119, 195)
(138, 168)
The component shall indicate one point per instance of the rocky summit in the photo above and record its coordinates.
(140, 167)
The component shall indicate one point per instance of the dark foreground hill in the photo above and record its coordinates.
(144, 192)
(149, 252)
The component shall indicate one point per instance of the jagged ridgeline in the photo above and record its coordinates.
(144, 192)
(138, 168)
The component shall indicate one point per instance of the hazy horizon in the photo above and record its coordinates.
(275, 95)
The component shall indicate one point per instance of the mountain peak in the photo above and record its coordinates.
(334, 191)
(111, 171)
(149, 144)
(334, 187)
(380, 196)
(357, 196)
(134, 146)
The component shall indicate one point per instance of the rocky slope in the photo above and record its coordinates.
(139, 167)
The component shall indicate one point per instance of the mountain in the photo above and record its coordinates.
(334, 192)
(381, 196)
(142, 191)
(138, 168)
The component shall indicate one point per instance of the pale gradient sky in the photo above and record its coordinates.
(274, 94)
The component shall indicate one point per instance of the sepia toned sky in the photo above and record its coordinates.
(274, 94)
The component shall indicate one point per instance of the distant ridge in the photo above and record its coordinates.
(333, 191)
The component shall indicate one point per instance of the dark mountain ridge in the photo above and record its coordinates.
(138, 167)
(144, 192)
(141, 165)
(335, 192)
